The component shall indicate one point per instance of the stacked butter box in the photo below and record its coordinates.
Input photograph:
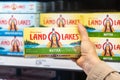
(14, 17)
(104, 31)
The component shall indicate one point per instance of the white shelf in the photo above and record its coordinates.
(46, 63)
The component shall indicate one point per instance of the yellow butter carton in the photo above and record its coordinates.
(68, 20)
(102, 24)
(107, 48)
(52, 42)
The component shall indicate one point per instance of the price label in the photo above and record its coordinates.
(38, 62)
(46, 65)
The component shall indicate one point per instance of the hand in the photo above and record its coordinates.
(89, 56)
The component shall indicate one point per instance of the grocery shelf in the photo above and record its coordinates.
(48, 63)
(38, 63)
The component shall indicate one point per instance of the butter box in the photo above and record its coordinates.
(107, 48)
(13, 24)
(51, 42)
(102, 24)
(21, 7)
(68, 20)
(11, 45)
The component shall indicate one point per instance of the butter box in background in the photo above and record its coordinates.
(21, 7)
(62, 20)
(13, 24)
(51, 42)
(107, 48)
(11, 45)
(102, 22)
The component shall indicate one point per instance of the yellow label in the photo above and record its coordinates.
(107, 46)
(102, 22)
(44, 35)
(61, 19)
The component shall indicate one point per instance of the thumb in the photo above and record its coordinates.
(83, 33)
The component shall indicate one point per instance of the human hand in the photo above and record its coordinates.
(88, 57)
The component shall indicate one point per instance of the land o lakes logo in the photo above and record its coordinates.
(61, 21)
(15, 43)
(57, 35)
(107, 49)
(13, 6)
(14, 22)
(53, 34)
(107, 23)
(54, 38)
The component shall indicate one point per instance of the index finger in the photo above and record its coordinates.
(83, 32)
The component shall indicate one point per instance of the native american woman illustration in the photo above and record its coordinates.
(15, 45)
(61, 21)
(54, 42)
(107, 47)
(12, 24)
(107, 25)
